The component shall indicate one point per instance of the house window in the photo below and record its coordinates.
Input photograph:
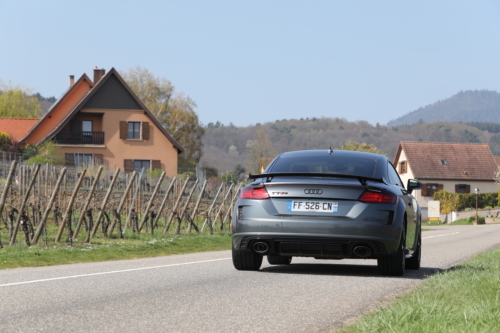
(133, 130)
(402, 167)
(431, 189)
(462, 188)
(87, 131)
(83, 159)
(87, 126)
(139, 164)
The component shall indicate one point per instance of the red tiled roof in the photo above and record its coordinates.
(434, 160)
(17, 128)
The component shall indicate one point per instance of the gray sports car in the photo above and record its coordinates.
(328, 204)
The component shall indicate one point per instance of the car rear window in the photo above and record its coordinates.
(347, 165)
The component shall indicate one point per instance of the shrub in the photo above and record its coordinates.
(38, 159)
(468, 200)
(4, 139)
(154, 173)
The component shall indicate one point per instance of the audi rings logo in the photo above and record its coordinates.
(313, 191)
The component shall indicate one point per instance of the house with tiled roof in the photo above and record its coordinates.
(17, 128)
(453, 167)
(102, 121)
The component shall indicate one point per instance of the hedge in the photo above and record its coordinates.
(468, 200)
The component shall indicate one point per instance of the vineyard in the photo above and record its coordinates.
(60, 204)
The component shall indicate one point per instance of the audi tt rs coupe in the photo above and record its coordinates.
(328, 204)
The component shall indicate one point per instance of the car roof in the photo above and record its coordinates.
(332, 152)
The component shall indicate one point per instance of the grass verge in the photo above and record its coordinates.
(465, 298)
(132, 247)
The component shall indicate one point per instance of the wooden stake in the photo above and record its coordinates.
(211, 207)
(221, 206)
(193, 215)
(87, 202)
(49, 207)
(175, 207)
(122, 202)
(7, 185)
(177, 231)
(70, 204)
(103, 206)
(163, 202)
(23, 204)
(145, 214)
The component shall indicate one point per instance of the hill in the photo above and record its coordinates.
(466, 106)
(227, 146)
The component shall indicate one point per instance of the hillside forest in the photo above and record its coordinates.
(227, 146)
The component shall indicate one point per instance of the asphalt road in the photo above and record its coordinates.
(202, 292)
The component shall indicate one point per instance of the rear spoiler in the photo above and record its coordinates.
(271, 175)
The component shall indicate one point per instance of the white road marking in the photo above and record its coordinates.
(441, 235)
(143, 268)
(110, 272)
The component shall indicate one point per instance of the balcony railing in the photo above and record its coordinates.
(80, 138)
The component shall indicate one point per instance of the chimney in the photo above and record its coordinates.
(98, 74)
(71, 80)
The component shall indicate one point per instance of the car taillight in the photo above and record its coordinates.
(371, 197)
(259, 193)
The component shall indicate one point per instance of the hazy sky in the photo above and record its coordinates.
(256, 61)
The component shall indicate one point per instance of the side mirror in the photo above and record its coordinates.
(413, 184)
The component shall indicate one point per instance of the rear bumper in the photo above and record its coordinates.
(326, 247)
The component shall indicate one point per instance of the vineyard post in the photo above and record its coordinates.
(164, 201)
(196, 206)
(18, 221)
(49, 207)
(47, 178)
(87, 202)
(221, 206)
(232, 204)
(145, 214)
(122, 202)
(104, 203)
(7, 185)
(70, 203)
(131, 207)
(177, 231)
(211, 207)
(175, 207)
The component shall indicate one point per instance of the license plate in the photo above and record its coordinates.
(313, 206)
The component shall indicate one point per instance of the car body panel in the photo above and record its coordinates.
(351, 223)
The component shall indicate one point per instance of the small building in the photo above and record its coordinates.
(102, 121)
(453, 167)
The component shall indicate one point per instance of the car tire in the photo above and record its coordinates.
(414, 261)
(246, 261)
(279, 260)
(394, 265)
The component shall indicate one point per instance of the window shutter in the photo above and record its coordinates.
(440, 187)
(457, 188)
(75, 125)
(69, 159)
(423, 192)
(123, 130)
(156, 165)
(98, 159)
(467, 188)
(145, 130)
(128, 165)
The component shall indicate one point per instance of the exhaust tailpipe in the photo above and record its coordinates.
(260, 247)
(362, 251)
